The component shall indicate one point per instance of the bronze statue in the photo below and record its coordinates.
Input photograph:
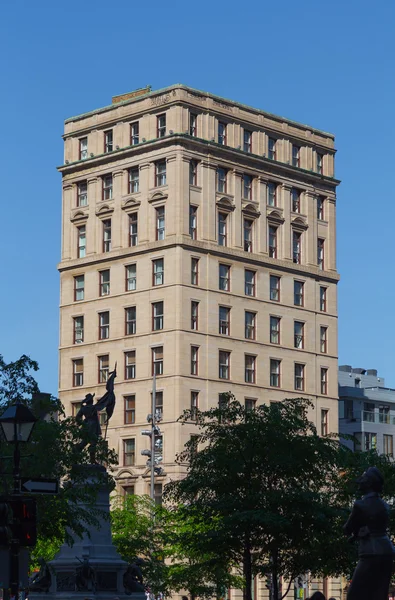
(85, 577)
(89, 415)
(41, 581)
(133, 578)
(368, 523)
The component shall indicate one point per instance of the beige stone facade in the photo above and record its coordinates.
(200, 233)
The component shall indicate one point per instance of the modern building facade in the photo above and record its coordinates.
(366, 410)
(199, 243)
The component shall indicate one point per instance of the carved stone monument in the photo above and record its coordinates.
(91, 568)
(368, 523)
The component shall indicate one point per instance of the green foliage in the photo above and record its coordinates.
(267, 486)
(51, 452)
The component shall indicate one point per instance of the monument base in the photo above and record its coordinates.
(91, 568)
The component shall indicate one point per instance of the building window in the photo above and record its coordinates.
(78, 372)
(158, 493)
(108, 141)
(107, 187)
(275, 372)
(295, 156)
(160, 223)
(324, 381)
(322, 299)
(134, 180)
(298, 335)
(104, 325)
(133, 229)
(78, 330)
(160, 173)
(249, 282)
(222, 229)
(224, 278)
(161, 126)
(194, 315)
(79, 287)
(249, 325)
(104, 367)
(323, 339)
(104, 282)
(158, 273)
(192, 124)
(194, 360)
(194, 405)
(134, 133)
(320, 161)
(130, 409)
(295, 200)
(275, 330)
(324, 421)
(249, 404)
(275, 288)
(157, 316)
(272, 148)
(157, 360)
(320, 253)
(384, 414)
(224, 320)
(83, 152)
(297, 247)
(388, 444)
(107, 235)
(272, 241)
(129, 452)
(222, 133)
(81, 241)
(320, 208)
(247, 187)
(158, 404)
(131, 277)
(247, 141)
(370, 441)
(298, 293)
(130, 320)
(247, 233)
(82, 193)
(130, 364)
(193, 222)
(194, 271)
(299, 377)
(271, 192)
(224, 364)
(221, 181)
(249, 368)
(193, 172)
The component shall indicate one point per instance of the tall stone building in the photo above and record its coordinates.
(199, 241)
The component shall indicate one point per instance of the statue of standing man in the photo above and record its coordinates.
(89, 415)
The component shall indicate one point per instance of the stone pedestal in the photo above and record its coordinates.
(97, 548)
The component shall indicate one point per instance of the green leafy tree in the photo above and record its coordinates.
(266, 487)
(53, 451)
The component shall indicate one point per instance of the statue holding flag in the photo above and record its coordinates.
(89, 414)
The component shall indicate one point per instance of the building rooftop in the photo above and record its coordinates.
(141, 93)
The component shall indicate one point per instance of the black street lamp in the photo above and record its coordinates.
(17, 424)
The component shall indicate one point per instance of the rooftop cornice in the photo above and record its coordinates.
(221, 151)
(227, 103)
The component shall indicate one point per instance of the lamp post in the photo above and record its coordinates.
(17, 424)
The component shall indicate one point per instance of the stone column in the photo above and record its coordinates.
(236, 239)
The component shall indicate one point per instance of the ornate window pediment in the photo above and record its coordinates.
(130, 205)
(225, 204)
(158, 197)
(125, 474)
(79, 216)
(250, 210)
(299, 223)
(104, 210)
(275, 217)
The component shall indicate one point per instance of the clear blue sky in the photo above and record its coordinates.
(328, 64)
